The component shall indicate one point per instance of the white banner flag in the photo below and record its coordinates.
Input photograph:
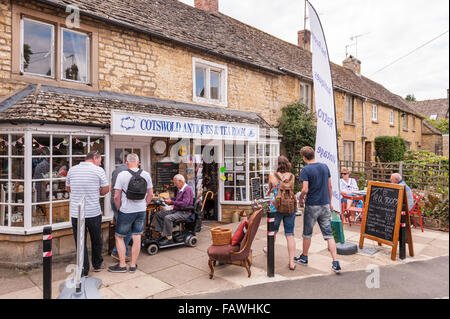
(326, 138)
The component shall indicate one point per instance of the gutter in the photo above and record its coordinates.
(165, 38)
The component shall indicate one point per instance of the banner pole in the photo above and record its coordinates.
(47, 262)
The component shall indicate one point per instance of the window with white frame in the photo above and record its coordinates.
(210, 82)
(75, 56)
(37, 48)
(38, 51)
(349, 151)
(244, 161)
(405, 121)
(433, 117)
(349, 105)
(391, 118)
(374, 113)
(305, 94)
(51, 156)
(12, 180)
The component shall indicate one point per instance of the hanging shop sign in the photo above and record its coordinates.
(142, 124)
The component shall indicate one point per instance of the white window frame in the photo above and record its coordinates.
(374, 113)
(352, 151)
(405, 121)
(391, 118)
(88, 56)
(52, 64)
(433, 117)
(210, 66)
(306, 98)
(28, 229)
(349, 99)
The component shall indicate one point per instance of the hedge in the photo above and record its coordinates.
(390, 148)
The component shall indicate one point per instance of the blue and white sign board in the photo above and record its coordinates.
(145, 124)
(326, 139)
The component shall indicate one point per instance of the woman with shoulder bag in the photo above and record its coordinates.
(283, 203)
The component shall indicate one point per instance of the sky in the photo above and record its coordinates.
(389, 29)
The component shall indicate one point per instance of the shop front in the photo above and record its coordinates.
(218, 151)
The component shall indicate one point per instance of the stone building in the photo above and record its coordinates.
(67, 88)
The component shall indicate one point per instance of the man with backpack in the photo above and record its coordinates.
(133, 191)
(316, 187)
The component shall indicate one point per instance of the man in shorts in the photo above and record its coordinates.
(131, 214)
(316, 181)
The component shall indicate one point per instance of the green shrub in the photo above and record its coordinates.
(390, 148)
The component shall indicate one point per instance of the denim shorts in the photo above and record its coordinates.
(288, 223)
(320, 214)
(130, 223)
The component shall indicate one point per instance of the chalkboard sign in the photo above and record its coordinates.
(255, 184)
(165, 173)
(382, 214)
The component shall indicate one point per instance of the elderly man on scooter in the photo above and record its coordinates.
(165, 219)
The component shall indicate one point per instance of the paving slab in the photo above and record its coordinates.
(204, 285)
(150, 264)
(11, 282)
(139, 287)
(28, 293)
(170, 293)
(110, 278)
(179, 274)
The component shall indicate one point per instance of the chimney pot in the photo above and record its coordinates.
(353, 64)
(208, 5)
(304, 39)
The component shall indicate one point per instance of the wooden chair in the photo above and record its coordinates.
(240, 252)
(347, 213)
(417, 210)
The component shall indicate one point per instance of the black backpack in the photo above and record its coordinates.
(137, 187)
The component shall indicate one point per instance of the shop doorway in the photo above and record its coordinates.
(207, 167)
(121, 153)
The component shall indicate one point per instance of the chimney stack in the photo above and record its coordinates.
(208, 5)
(353, 64)
(304, 39)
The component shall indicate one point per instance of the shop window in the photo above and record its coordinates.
(12, 180)
(263, 159)
(235, 182)
(37, 48)
(210, 82)
(75, 56)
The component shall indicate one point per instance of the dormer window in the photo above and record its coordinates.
(210, 82)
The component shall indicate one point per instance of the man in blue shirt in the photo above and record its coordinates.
(316, 187)
(396, 178)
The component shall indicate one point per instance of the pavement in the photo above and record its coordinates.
(181, 272)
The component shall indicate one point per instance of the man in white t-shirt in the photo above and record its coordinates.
(131, 213)
(88, 179)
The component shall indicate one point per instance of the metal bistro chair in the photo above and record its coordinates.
(356, 212)
(417, 210)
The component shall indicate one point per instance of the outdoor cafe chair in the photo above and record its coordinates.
(417, 210)
(352, 211)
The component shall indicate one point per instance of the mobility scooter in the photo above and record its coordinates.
(184, 236)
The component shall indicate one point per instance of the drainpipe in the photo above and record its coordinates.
(363, 137)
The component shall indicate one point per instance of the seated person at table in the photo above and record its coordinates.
(348, 186)
(165, 219)
(396, 178)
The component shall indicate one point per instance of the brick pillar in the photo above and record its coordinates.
(208, 5)
(304, 39)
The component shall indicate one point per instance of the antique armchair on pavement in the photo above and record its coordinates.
(240, 252)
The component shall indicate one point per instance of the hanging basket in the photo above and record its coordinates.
(221, 236)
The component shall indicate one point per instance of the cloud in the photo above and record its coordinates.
(394, 29)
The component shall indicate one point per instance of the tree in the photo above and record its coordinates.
(410, 98)
(27, 53)
(297, 125)
(441, 124)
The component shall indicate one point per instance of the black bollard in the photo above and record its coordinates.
(47, 261)
(270, 244)
(402, 253)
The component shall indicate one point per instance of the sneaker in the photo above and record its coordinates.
(302, 260)
(133, 269)
(116, 257)
(336, 267)
(117, 268)
(102, 266)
